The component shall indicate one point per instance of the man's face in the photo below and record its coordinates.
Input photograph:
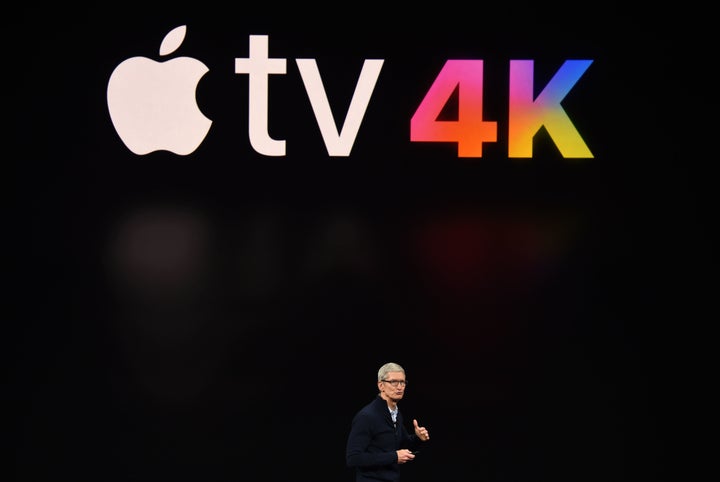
(393, 385)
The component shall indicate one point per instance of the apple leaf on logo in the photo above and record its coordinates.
(173, 40)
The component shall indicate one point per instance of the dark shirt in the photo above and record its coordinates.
(374, 440)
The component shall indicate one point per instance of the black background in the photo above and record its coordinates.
(540, 306)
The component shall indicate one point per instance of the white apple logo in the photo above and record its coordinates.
(152, 104)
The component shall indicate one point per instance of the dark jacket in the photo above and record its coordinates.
(373, 441)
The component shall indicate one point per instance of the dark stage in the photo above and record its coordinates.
(220, 314)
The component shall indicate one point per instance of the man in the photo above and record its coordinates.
(378, 442)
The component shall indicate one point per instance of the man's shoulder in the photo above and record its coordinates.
(368, 413)
(372, 407)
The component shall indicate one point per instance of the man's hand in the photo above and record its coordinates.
(421, 432)
(404, 455)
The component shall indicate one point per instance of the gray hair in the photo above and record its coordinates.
(389, 367)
